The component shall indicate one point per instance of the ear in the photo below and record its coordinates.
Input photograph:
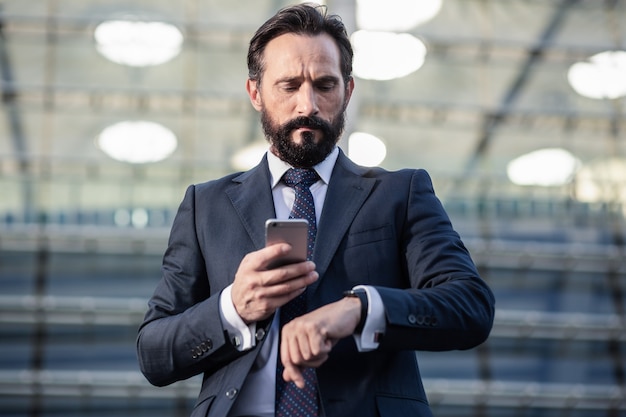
(349, 90)
(252, 87)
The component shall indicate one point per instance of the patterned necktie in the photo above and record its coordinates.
(291, 400)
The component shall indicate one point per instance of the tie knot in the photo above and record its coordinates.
(303, 176)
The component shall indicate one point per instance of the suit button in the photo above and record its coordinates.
(420, 319)
(196, 352)
(433, 321)
(412, 319)
(427, 320)
(260, 334)
(206, 346)
(231, 393)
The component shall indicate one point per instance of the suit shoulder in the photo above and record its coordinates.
(411, 179)
(405, 173)
(378, 172)
(217, 183)
(259, 172)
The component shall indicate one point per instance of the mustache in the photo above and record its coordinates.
(310, 122)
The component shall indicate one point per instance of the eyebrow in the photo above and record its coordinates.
(323, 78)
(327, 78)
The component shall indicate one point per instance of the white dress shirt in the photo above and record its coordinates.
(257, 395)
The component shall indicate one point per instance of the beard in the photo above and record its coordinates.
(307, 153)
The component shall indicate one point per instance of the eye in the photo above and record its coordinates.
(289, 86)
(326, 85)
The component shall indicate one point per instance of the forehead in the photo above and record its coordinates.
(295, 55)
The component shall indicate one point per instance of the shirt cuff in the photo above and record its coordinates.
(240, 333)
(375, 324)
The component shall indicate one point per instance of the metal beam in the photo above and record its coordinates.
(493, 120)
(10, 104)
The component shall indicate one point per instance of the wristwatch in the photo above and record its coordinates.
(362, 295)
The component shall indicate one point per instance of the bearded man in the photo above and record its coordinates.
(387, 273)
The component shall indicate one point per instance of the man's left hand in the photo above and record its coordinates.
(306, 341)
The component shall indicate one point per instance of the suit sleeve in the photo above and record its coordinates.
(448, 306)
(182, 334)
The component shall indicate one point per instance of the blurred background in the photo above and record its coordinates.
(515, 107)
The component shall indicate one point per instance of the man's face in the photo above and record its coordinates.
(302, 97)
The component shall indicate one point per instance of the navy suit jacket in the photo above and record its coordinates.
(379, 228)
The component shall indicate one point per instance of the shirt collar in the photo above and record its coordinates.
(324, 169)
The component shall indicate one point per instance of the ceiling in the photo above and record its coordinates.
(493, 87)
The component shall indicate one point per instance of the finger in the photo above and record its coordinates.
(316, 363)
(291, 371)
(299, 348)
(302, 348)
(289, 349)
(294, 374)
(271, 253)
(289, 272)
(278, 284)
(254, 264)
(319, 347)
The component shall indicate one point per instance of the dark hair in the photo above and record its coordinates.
(301, 19)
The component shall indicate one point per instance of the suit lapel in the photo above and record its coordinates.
(347, 191)
(251, 196)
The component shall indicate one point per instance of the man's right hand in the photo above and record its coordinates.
(257, 291)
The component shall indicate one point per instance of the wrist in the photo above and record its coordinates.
(361, 294)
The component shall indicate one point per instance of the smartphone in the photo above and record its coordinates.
(292, 231)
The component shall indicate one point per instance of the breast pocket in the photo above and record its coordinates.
(370, 236)
(371, 256)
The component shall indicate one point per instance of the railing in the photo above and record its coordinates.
(590, 255)
(113, 384)
(589, 251)
(57, 310)
(90, 311)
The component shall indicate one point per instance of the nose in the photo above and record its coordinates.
(307, 101)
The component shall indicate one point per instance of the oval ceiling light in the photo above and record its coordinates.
(544, 167)
(386, 55)
(249, 156)
(365, 149)
(395, 15)
(137, 142)
(603, 76)
(602, 181)
(138, 43)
